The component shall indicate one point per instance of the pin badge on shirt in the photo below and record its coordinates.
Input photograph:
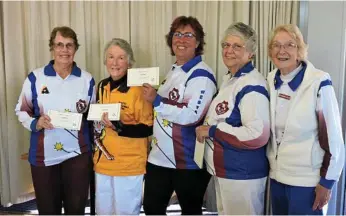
(44, 90)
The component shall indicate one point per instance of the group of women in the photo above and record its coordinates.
(286, 127)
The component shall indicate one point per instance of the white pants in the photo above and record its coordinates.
(120, 195)
(240, 197)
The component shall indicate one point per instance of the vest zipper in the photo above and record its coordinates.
(277, 151)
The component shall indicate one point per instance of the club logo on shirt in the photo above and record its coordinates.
(81, 106)
(123, 105)
(174, 95)
(44, 90)
(222, 108)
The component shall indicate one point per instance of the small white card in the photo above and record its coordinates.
(199, 153)
(96, 111)
(67, 120)
(139, 76)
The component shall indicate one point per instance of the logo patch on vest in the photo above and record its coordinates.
(81, 106)
(174, 95)
(222, 108)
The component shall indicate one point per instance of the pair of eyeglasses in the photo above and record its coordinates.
(185, 35)
(287, 46)
(235, 46)
(60, 46)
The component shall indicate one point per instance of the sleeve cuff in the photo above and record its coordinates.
(327, 183)
(212, 131)
(157, 100)
(33, 125)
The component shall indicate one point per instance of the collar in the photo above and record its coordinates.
(295, 82)
(49, 69)
(247, 68)
(288, 77)
(190, 64)
(120, 85)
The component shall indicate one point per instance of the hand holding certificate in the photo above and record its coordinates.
(96, 111)
(199, 153)
(67, 120)
(139, 76)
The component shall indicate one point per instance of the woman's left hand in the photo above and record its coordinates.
(149, 93)
(322, 197)
(202, 132)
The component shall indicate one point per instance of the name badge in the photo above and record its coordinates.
(284, 96)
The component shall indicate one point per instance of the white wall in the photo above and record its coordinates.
(325, 35)
(323, 24)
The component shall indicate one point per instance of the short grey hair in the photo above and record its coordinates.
(245, 32)
(124, 45)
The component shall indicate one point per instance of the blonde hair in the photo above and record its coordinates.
(296, 34)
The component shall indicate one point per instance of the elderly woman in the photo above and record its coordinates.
(306, 153)
(60, 159)
(236, 128)
(121, 153)
(180, 105)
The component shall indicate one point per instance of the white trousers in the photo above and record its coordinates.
(240, 197)
(120, 195)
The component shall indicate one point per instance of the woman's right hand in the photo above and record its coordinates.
(44, 123)
(105, 120)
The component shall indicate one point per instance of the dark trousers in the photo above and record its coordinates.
(65, 184)
(292, 200)
(189, 185)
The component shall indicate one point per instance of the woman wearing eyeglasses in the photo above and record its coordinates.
(306, 152)
(180, 104)
(60, 159)
(236, 128)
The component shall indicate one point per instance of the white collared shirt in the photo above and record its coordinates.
(284, 97)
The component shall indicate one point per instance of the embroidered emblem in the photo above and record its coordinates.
(174, 95)
(154, 140)
(44, 90)
(165, 123)
(60, 147)
(222, 108)
(124, 105)
(284, 96)
(81, 106)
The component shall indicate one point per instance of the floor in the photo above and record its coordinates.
(29, 208)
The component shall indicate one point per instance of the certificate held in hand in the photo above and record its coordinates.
(66, 120)
(139, 76)
(96, 111)
(199, 153)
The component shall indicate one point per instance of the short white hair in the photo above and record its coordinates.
(124, 45)
(245, 32)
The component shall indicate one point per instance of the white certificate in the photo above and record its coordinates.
(199, 153)
(67, 120)
(96, 111)
(138, 76)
